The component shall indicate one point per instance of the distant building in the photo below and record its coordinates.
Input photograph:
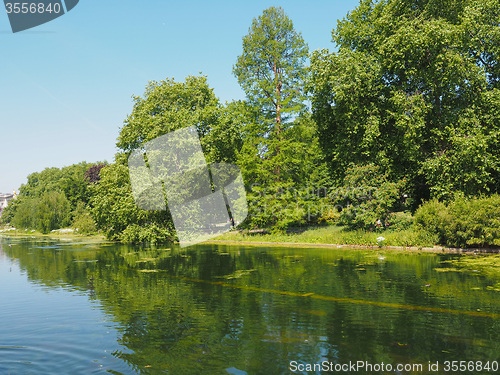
(4, 200)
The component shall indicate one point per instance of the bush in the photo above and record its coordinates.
(151, 233)
(280, 206)
(433, 216)
(465, 222)
(82, 221)
(476, 222)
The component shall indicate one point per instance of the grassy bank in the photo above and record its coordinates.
(340, 236)
(6, 231)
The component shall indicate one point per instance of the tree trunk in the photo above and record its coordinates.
(277, 127)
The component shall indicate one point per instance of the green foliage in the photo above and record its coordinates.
(399, 221)
(464, 222)
(49, 197)
(296, 198)
(168, 106)
(414, 88)
(114, 209)
(22, 212)
(82, 220)
(50, 211)
(367, 197)
(434, 217)
(224, 138)
(112, 204)
(280, 206)
(69, 180)
(9, 212)
(53, 211)
(271, 68)
(151, 233)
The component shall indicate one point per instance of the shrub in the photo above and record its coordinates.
(150, 233)
(476, 222)
(465, 222)
(433, 217)
(82, 221)
(279, 207)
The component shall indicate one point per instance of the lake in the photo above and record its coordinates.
(89, 307)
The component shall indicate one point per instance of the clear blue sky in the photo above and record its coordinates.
(66, 86)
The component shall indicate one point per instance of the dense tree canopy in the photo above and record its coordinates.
(168, 105)
(49, 198)
(413, 88)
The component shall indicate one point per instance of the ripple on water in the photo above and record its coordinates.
(55, 359)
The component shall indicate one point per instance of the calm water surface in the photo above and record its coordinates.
(76, 307)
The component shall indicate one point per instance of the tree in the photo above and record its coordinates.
(367, 198)
(92, 173)
(53, 211)
(49, 211)
(49, 189)
(168, 106)
(68, 180)
(412, 89)
(271, 71)
(82, 221)
(112, 204)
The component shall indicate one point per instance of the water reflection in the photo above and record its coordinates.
(215, 309)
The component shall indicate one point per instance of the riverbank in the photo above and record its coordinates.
(434, 249)
(338, 237)
(61, 233)
(325, 236)
(486, 261)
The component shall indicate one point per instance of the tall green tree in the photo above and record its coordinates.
(412, 89)
(168, 105)
(280, 157)
(271, 70)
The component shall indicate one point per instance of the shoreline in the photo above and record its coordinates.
(52, 235)
(435, 249)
